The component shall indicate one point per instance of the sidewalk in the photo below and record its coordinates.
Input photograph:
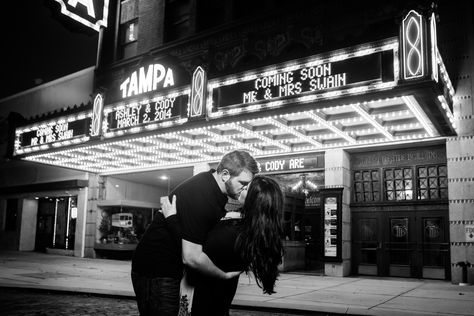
(350, 295)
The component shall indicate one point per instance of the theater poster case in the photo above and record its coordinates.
(332, 223)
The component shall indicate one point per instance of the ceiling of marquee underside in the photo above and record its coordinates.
(382, 121)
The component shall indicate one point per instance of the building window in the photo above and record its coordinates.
(11, 215)
(178, 19)
(366, 185)
(432, 182)
(398, 184)
(128, 29)
(206, 13)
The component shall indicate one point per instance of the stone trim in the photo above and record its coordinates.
(465, 117)
(454, 180)
(461, 201)
(461, 244)
(462, 158)
(462, 222)
(450, 139)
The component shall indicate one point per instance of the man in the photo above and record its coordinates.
(157, 264)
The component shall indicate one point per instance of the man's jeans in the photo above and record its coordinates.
(156, 296)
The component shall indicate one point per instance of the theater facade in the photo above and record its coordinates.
(356, 135)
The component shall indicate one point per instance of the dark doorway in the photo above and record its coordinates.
(56, 223)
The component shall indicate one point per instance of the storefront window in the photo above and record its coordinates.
(301, 218)
(307, 183)
(122, 227)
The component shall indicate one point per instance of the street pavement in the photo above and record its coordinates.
(29, 302)
(295, 292)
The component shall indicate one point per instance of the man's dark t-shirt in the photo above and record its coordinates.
(200, 204)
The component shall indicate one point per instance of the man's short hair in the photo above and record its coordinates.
(236, 161)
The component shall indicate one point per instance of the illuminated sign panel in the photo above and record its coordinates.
(322, 77)
(97, 112)
(291, 163)
(154, 111)
(413, 38)
(91, 13)
(151, 78)
(54, 132)
(198, 87)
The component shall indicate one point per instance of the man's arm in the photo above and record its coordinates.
(195, 258)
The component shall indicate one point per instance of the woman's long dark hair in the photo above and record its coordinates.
(260, 240)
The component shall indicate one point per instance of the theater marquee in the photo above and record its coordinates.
(155, 115)
(306, 78)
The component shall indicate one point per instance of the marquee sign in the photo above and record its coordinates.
(291, 163)
(300, 80)
(157, 110)
(53, 132)
(91, 13)
(147, 79)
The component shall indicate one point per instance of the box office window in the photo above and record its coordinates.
(432, 182)
(367, 185)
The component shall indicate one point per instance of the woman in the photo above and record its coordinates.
(251, 241)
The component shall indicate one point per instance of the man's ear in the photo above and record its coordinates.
(225, 175)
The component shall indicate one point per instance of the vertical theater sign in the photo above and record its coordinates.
(91, 13)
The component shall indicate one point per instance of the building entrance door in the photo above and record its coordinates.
(56, 223)
(401, 244)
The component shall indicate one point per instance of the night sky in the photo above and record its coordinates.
(40, 45)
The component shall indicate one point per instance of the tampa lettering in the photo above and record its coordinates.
(155, 77)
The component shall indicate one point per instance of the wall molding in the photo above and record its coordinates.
(461, 158)
(461, 201)
(463, 222)
(455, 180)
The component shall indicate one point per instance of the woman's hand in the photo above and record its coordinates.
(168, 208)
